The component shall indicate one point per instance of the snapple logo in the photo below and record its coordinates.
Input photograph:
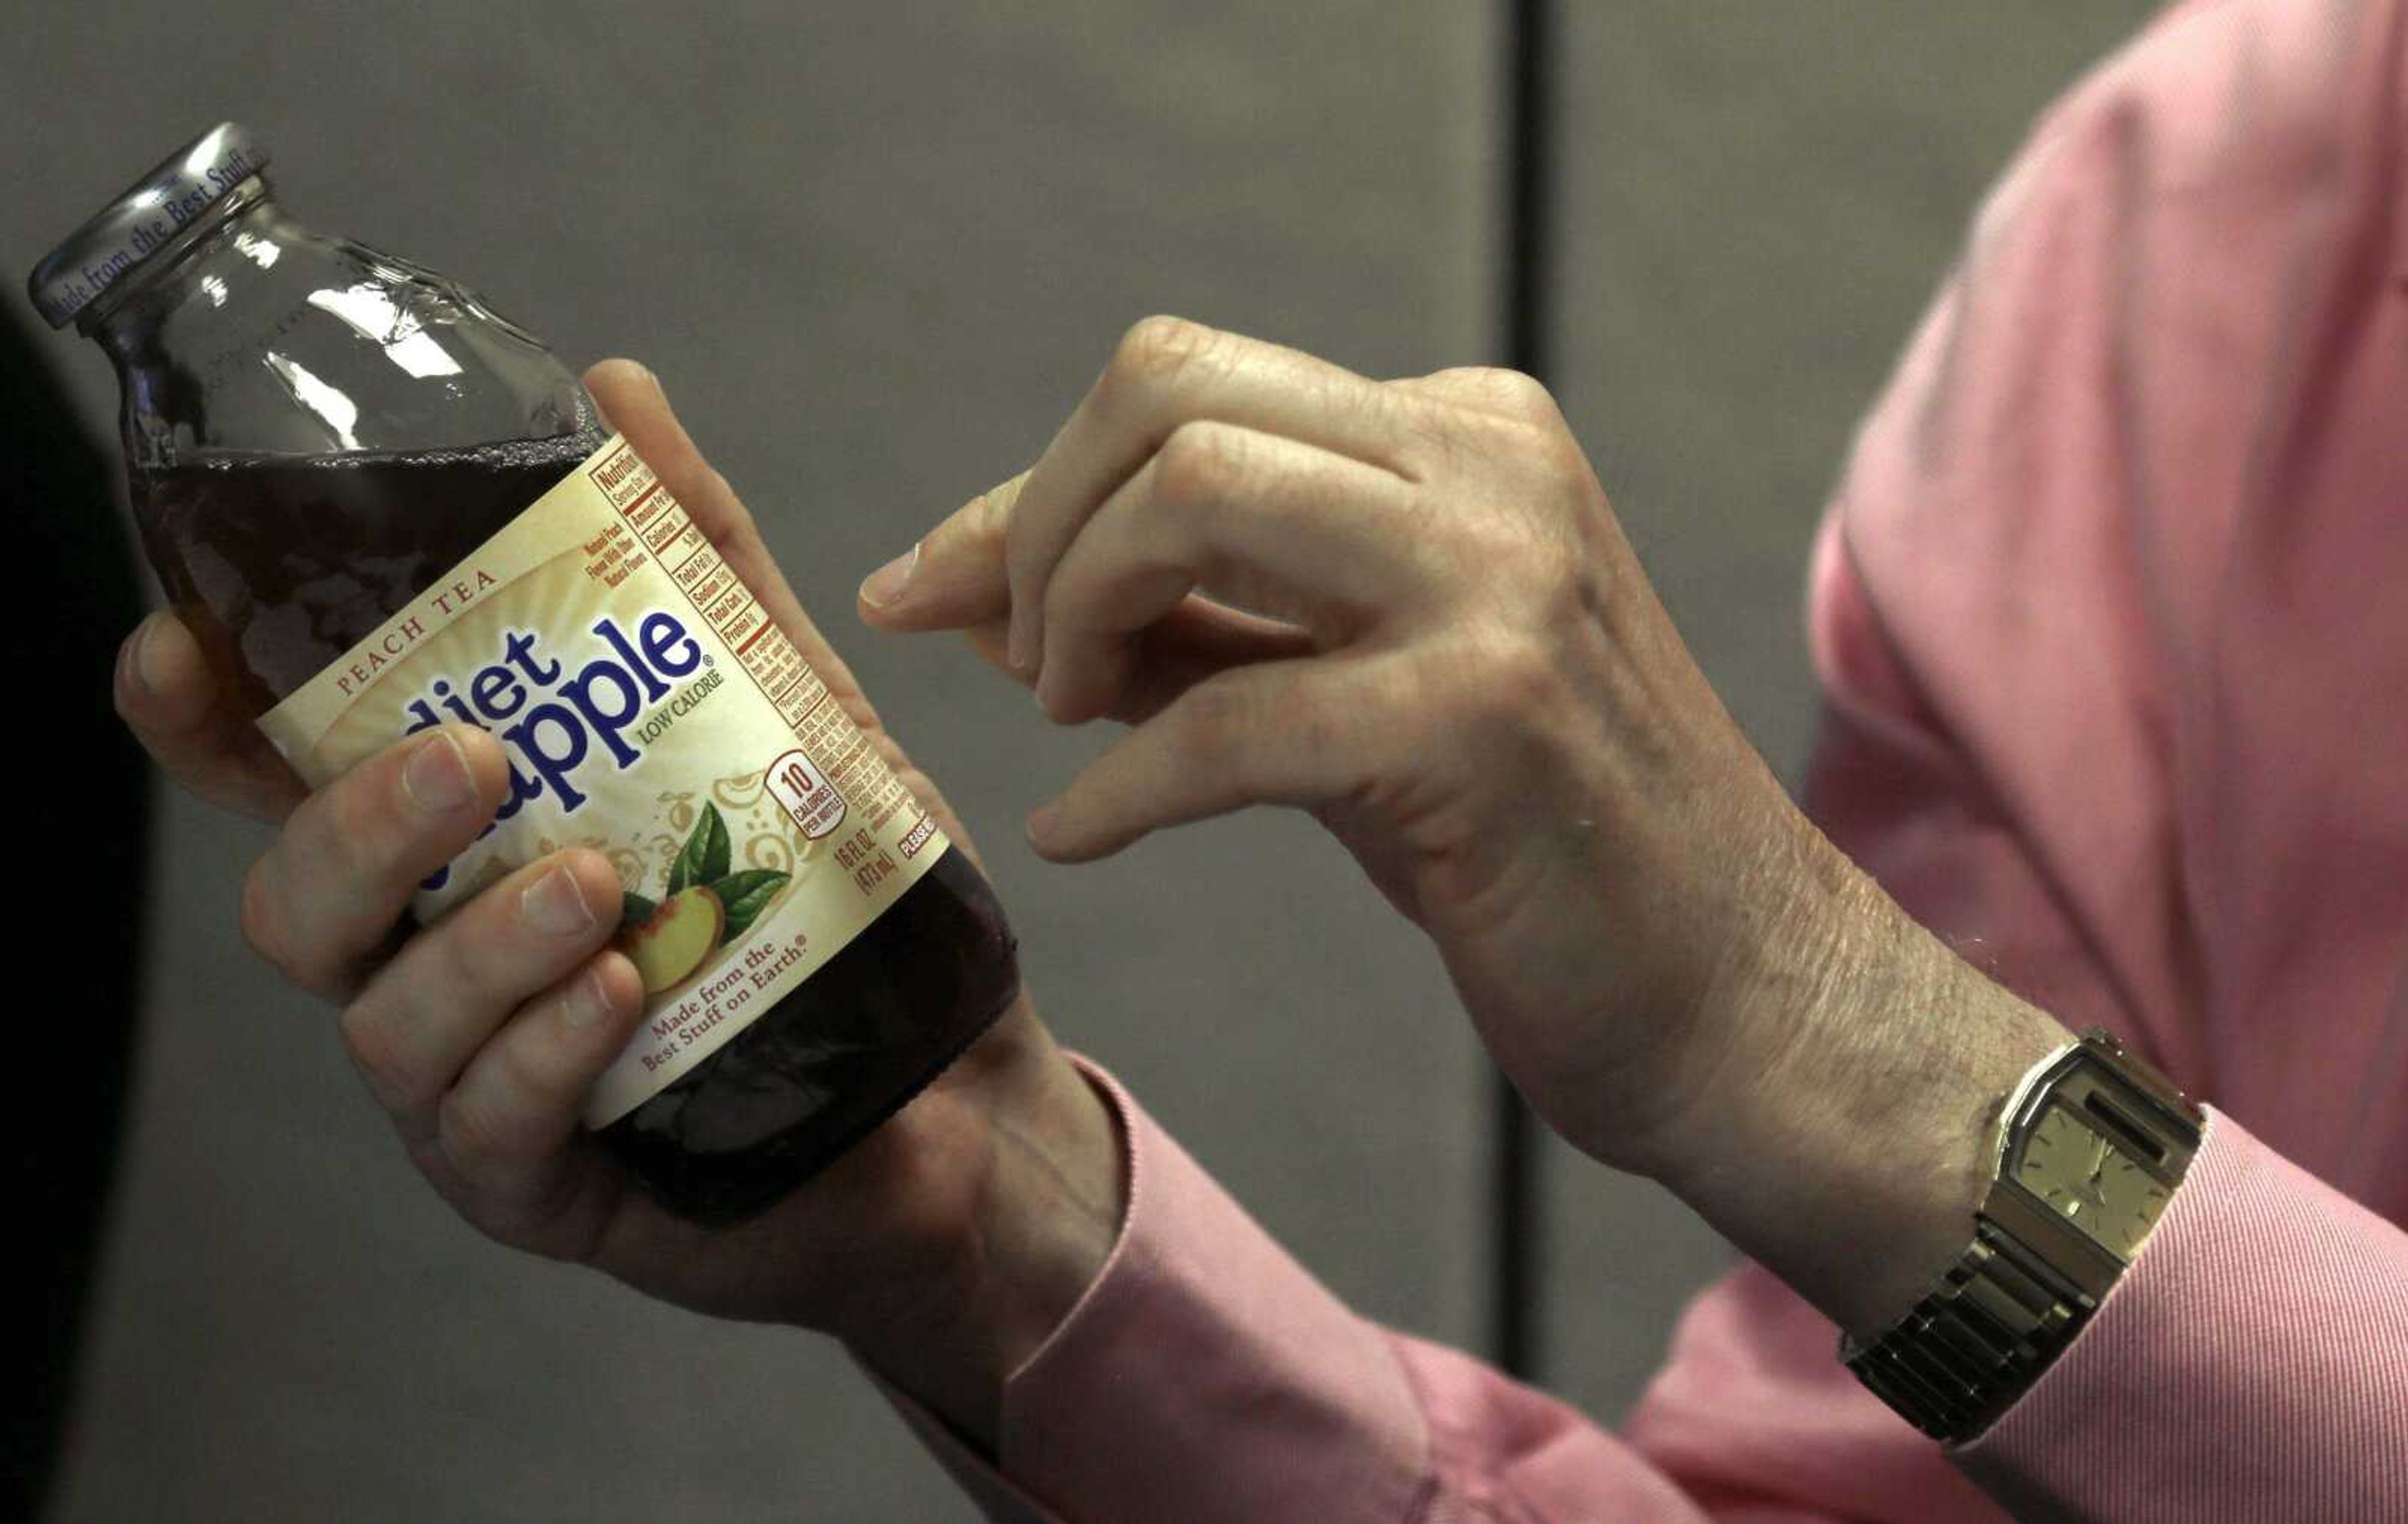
(553, 727)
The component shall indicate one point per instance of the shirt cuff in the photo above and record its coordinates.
(2239, 1350)
(1205, 1375)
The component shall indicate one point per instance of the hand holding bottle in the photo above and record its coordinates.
(481, 1034)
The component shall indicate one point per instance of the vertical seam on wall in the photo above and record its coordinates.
(1516, 1218)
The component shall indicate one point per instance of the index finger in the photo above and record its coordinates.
(1167, 372)
(192, 728)
(954, 577)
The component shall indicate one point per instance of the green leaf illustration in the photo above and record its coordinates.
(704, 857)
(746, 895)
(634, 910)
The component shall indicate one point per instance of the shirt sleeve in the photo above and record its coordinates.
(2251, 1364)
(1207, 1376)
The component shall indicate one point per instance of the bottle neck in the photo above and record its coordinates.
(106, 315)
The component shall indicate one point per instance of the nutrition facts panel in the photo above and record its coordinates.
(660, 526)
(843, 778)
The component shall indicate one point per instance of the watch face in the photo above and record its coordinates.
(2067, 1163)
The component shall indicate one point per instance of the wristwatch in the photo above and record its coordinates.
(2091, 1143)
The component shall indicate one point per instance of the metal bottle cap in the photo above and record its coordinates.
(143, 220)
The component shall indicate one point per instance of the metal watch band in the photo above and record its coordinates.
(2028, 1281)
(1972, 1344)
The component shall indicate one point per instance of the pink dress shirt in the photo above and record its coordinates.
(2112, 616)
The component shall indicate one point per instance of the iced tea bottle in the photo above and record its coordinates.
(380, 508)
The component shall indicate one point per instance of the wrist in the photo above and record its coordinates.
(1040, 1222)
(1846, 1146)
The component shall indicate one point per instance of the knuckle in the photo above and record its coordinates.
(474, 1135)
(372, 1040)
(1482, 689)
(1524, 440)
(1156, 352)
(1549, 453)
(1521, 395)
(730, 519)
(990, 517)
(1524, 431)
(120, 700)
(1527, 679)
(1217, 717)
(463, 958)
(1199, 463)
(1337, 735)
(261, 919)
(264, 915)
(1066, 602)
(351, 825)
(1502, 556)
(1559, 455)
(1514, 681)
(1031, 538)
(1219, 721)
(1374, 735)
(1544, 560)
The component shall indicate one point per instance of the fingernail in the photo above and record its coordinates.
(586, 1004)
(1023, 649)
(1041, 821)
(554, 905)
(883, 588)
(653, 377)
(437, 776)
(146, 668)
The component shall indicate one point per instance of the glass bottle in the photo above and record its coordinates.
(316, 435)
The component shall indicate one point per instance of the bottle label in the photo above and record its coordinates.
(650, 710)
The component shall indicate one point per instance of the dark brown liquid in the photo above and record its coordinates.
(282, 565)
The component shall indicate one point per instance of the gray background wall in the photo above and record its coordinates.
(877, 251)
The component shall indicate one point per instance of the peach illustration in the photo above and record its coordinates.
(678, 937)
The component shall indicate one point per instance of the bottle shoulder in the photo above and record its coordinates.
(273, 339)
